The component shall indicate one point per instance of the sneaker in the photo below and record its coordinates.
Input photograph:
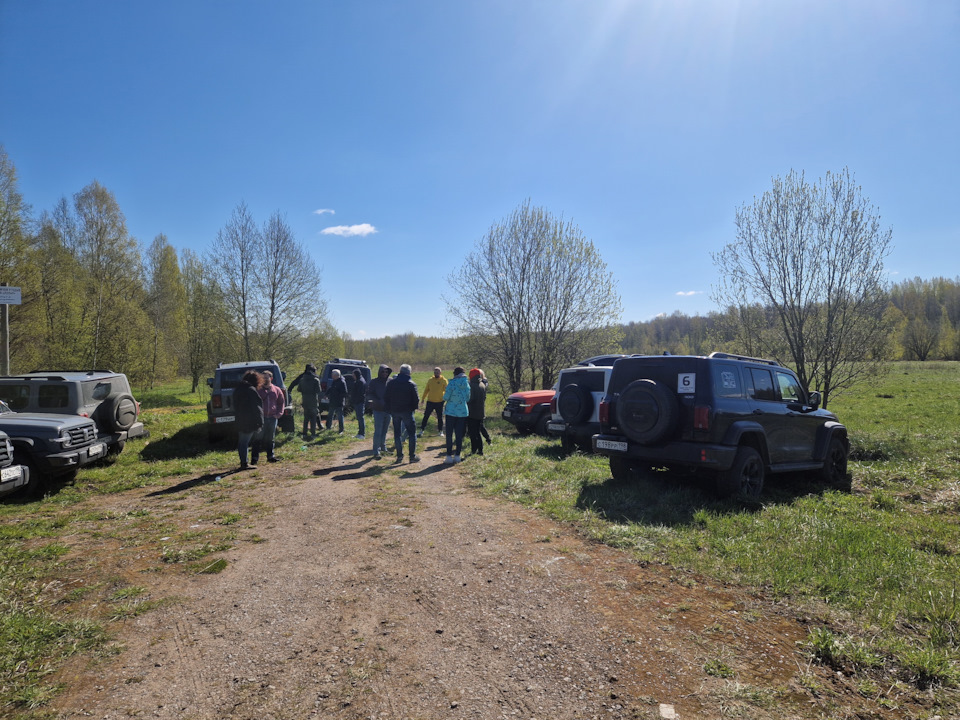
(420, 433)
(251, 466)
(273, 459)
(415, 458)
(440, 433)
(448, 460)
(456, 459)
(382, 450)
(359, 437)
(377, 456)
(399, 458)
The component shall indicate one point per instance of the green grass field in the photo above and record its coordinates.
(876, 568)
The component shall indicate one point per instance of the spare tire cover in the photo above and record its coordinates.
(646, 411)
(574, 403)
(119, 411)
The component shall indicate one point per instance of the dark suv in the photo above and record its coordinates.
(103, 396)
(346, 367)
(736, 417)
(221, 418)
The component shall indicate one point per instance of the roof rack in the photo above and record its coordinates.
(731, 356)
(348, 361)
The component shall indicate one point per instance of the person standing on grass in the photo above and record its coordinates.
(456, 397)
(273, 401)
(358, 399)
(402, 402)
(476, 410)
(377, 395)
(248, 408)
(433, 396)
(336, 396)
(309, 385)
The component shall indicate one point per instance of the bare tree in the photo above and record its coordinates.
(534, 296)
(806, 275)
(234, 256)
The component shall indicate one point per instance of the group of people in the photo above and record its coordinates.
(459, 405)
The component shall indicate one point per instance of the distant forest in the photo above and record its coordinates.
(924, 313)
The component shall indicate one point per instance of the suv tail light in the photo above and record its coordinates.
(323, 385)
(701, 417)
(216, 401)
(603, 412)
(553, 405)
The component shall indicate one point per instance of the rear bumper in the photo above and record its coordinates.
(692, 455)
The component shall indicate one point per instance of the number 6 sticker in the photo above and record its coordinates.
(686, 383)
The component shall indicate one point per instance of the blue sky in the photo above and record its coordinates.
(647, 123)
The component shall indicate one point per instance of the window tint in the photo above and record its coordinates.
(16, 396)
(762, 385)
(96, 392)
(789, 387)
(726, 381)
(590, 381)
(53, 396)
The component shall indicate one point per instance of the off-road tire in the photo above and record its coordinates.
(37, 483)
(745, 476)
(575, 404)
(647, 411)
(540, 428)
(621, 469)
(834, 472)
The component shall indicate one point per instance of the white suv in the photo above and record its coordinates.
(575, 406)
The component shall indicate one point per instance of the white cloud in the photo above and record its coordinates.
(350, 230)
(681, 293)
(324, 211)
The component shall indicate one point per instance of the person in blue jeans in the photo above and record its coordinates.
(248, 408)
(455, 398)
(377, 395)
(402, 401)
(358, 401)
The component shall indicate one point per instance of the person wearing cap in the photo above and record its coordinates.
(336, 394)
(358, 397)
(456, 397)
(309, 386)
(377, 397)
(433, 396)
(402, 401)
(476, 410)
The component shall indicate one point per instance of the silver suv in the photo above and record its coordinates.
(101, 395)
(575, 407)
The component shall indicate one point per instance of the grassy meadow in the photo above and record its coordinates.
(874, 568)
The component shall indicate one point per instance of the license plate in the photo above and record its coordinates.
(11, 473)
(507, 413)
(224, 419)
(95, 450)
(558, 427)
(611, 445)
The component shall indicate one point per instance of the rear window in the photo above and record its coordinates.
(590, 381)
(97, 392)
(16, 396)
(234, 376)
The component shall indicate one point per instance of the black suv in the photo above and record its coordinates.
(101, 395)
(51, 446)
(346, 367)
(736, 417)
(221, 418)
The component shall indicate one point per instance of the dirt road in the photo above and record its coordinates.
(395, 591)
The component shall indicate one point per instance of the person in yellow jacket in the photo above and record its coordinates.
(433, 395)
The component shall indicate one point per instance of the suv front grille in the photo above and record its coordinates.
(6, 452)
(82, 435)
(514, 405)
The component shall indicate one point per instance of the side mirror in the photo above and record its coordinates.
(210, 382)
(815, 399)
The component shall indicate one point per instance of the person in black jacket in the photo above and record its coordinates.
(337, 395)
(248, 408)
(477, 409)
(402, 399)
(377, 395)
(358, 399)
(309, 385)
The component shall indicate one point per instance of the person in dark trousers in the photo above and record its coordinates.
(336, 395)
(309, 385)
(433, 396)
(274, 403)
(477, 410)
(402, 402)
(358, 399)
(248, 408)
(377, 395)
(455, 398)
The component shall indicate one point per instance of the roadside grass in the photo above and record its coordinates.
(875, 569)
(57, 596)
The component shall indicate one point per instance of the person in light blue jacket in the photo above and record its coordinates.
(455, 399)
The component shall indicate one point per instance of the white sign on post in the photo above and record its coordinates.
(9, 295)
